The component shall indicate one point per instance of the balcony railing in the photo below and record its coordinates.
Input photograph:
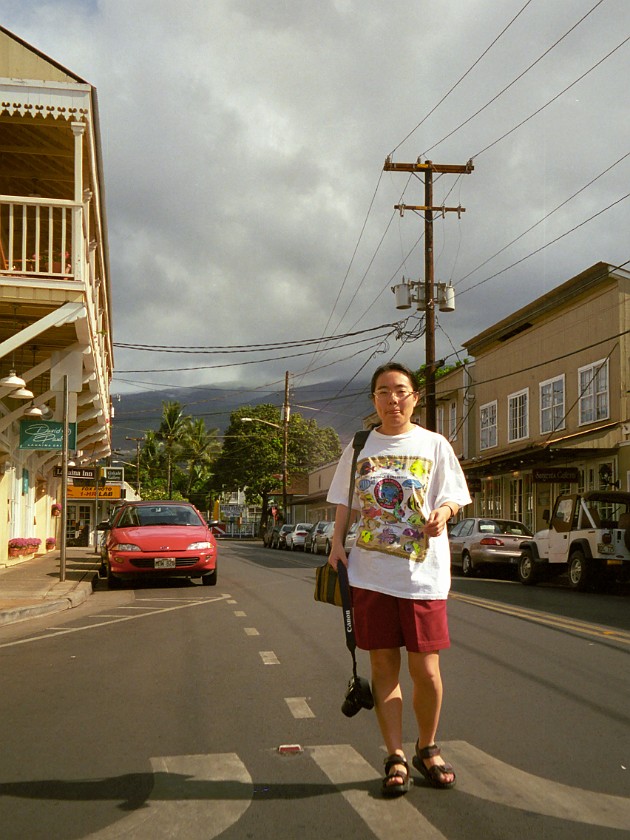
(36, 237)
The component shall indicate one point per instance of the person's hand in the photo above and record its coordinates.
(436, 523)
(337, 554)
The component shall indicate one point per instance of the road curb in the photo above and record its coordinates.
(51, 604)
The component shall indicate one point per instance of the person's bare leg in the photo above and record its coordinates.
(388, 701)
(424, 669)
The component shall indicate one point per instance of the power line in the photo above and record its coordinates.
(546, 245)
(513, 82)
(461, 78)
(544, 218)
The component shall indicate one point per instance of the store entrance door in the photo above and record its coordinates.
(78, 524)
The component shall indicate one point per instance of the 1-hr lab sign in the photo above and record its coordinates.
(46, 434)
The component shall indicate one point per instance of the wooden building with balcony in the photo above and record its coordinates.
(55, 317)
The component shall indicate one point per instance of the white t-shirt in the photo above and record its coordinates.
(399, 480)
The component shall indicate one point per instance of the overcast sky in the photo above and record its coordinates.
(244, 143)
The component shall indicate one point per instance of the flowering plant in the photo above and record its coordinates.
(24, 542)
(51, 542)
(55, 508)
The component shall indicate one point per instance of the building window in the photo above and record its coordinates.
(552, 405)
(488, 425)
(439, 419)
(593, 385)
(518, 426)
(452, 421)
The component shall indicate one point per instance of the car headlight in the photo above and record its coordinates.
(199, 545)
(126, 547)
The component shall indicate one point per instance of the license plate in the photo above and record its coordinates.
(605, 549)
(164, 563)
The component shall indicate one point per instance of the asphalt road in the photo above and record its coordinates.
(190, 712)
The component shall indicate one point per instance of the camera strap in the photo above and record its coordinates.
(358, 442)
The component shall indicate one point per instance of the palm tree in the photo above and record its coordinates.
(171, 432)
(200, 447)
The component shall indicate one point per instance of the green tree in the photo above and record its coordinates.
(252, 453)
(199, 449)
(171, 433)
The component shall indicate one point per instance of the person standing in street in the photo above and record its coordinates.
(408, 484)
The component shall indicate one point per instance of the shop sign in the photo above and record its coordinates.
(46, 434)
(231, 510)
(560, 475)
(113, 473)
(76, 472)
(109, 491)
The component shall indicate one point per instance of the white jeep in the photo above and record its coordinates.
(588, 536)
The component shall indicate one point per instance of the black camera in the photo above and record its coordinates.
(358, 696)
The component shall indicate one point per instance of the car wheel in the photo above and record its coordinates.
(328, 548)
(314, 548)
(112, 581)
(580, 571)
(527, 570)
(210, 579)
(468, 570)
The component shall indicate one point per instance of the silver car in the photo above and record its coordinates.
(351, 537)
(297, 535)
(322, 541)
(482, 541)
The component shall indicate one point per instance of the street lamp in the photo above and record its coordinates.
(285, 449)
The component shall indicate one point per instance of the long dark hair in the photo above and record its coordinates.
(398, 366)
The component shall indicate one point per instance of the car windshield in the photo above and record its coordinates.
(158, 515)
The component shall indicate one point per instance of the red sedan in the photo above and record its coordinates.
(157, 539)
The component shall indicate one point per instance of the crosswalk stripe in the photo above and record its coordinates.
(299, 707)
(486, 777)
(386, 819)
(269, 657)
(193, 796)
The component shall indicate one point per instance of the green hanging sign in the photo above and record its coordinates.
(46, 434)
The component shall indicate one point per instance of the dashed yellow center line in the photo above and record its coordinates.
(598, 631)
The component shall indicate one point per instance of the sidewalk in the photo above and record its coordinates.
(33, 588)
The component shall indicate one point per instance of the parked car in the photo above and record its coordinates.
(351, 537)
(296, 537)
(322, 541)
(588, 536)
(316, 529)
(278, 540)
(478, 542)
(158, 539)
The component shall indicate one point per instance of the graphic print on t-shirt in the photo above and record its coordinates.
(392, 490)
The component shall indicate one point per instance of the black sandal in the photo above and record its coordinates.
(436, 772)
(399, 789)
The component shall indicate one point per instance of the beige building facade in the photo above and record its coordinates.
(551, 405)
(542, 408)
(55, 318)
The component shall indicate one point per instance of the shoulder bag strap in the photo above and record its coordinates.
(358, 443)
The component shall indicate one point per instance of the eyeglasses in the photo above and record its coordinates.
(386, 394)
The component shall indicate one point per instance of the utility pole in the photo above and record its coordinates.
(137, 441)
(285, 443)
(428, 167)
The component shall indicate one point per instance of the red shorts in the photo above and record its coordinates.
(384, 621)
